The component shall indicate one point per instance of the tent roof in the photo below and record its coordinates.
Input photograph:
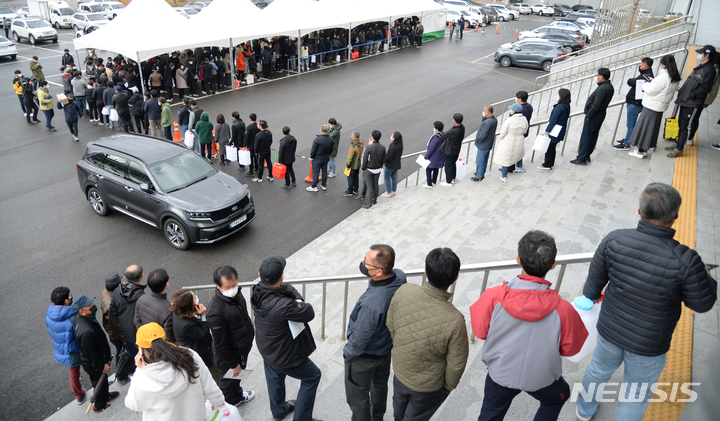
(136, 33)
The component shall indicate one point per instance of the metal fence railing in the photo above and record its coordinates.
(486, 268)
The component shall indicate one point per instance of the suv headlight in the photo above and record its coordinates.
(249, 195)
(198, 215)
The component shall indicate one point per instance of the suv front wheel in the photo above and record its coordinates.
(176, 234)
(97, 201)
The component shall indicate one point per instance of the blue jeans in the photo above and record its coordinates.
(316, 170)
(390, 180)
(82, 103)
(457, 34)
(331, 165)
(22, 103)
(308, 374)
(183, 129)
(638, 369)
(505, 169)
(481, 160)
(632, 114)
(49, 114)
(432, 175)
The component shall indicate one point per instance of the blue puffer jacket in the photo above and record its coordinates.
(60, 322)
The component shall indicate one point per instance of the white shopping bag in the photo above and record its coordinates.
(422, 161)
(244, 157)
(250, 79)
(231, 153)
(189, 139)
(224, 412)
(312, 59)
(461, 169)
(337, 58)
(114, 115)
(542, 143)
(382, 176)
(105, 111)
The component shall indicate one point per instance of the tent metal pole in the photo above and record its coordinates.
(299, 51)
(349, 41)
(234, 61)
(142, 81)
(388, 33)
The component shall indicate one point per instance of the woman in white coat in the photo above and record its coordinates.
(659, 92)
(170, 383)
(510, 145)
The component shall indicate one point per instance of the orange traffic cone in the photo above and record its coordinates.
(516, 32)
(497, 29)
(177, 138)
(466, 26)
(476, 28)
(309, 179)
(448, 25)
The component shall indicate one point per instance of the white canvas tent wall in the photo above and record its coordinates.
(139, 33)
(223, 22)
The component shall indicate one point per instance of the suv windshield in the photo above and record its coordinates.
(66, 11)
(95, 17)
(181, 171)
(36, 24)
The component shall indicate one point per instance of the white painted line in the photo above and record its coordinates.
(54, 83)
(481, 58)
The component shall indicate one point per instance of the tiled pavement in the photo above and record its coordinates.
(482, 222)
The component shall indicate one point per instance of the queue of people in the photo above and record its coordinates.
(415, 329)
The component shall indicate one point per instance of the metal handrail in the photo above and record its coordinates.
(617, 53)
(617, 40)
(561, 261)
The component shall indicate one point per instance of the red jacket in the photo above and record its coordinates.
(532, 326)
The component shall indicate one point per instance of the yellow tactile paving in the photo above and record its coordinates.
(678, 368)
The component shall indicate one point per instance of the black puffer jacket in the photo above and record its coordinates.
(194, 334)
(273, 308)
(454, 136)
(122, 306)
(597, 103)
(392, 157)
(696, 86)
(155, 307)
(237, 130)
(648, 276)
(630, 97)
(286, 152)
(232, 330)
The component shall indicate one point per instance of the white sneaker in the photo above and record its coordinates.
(519, 170)
(311, 189)
(427, 187)
(270, 178)
(636, 154)
(690, 142)
(255, 179)
(24, 114)
(580, 418)
(446, 184)
(331, 174)
(503, 179)
(247, 397)
(455, 181)
(323, 188)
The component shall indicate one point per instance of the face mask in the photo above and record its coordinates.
(700, 58)
(93, 309)
(363, 269)
(231, 292)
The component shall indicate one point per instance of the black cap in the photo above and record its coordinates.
(708, 49)
(271, 270)
(112, 280)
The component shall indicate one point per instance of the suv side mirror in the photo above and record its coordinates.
(145, 187)
(516, 48)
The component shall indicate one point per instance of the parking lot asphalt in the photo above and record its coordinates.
(51, 237)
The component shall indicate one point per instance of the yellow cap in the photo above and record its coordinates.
(148, 333)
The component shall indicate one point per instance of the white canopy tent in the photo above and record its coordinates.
(137, 33)
(224, 22)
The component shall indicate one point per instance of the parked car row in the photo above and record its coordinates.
(546, 9)
(529, 53)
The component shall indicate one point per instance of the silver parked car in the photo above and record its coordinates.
(529, 53)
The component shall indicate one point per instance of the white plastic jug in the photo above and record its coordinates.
(460, 169)
(589, 313)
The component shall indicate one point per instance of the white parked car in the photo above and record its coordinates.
(521, 8)
(453, 15)
(7, 48)
(83, 20)
(504, 13)
(112, 9)
(33, 29)
(23, 11)
(585, 29)
(61, 17)
(543, 9)
(91, 8)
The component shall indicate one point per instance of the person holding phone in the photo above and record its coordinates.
(192, 329)
(634, 105)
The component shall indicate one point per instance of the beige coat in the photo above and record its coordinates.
(510, 145)
(430, 342)
(181, 76)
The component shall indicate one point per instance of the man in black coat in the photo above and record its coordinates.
(647, 276)
(284, 340)
(250, 132)
(155, 307)
(595, 110)
(120, 101)
(122, 305)
(232, 332)
(320, 152)
(95, 354)
(691, 99)
(373, 159)
(263, 142)
(237, 132)
(451, 148)
(286, 156)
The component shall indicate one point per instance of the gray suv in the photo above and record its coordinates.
(165, 185)
(529, 53)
